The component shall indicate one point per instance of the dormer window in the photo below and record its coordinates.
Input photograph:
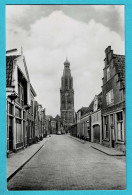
(108, 73)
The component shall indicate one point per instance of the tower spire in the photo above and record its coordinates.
(66, 62)
(67, 95)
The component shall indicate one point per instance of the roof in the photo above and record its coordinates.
(67, 62)
(9, 68)
(119, 62)
(88, 109)
(33, 91)
(85, 110)
(82, 109)
(57, 117)
(49, 117)
(99, 100)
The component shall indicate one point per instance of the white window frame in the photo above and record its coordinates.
(110, 97)
(120, 128)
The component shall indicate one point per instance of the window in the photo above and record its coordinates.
(10, 109)
(109, 97)
(106, 127)
(17, 112)
(120, 129)
(31, 108)
(18, 131)
(20, 98)
(112, 119)
(112, 126)
(108, 73)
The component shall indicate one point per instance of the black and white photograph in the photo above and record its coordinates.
(65, 97)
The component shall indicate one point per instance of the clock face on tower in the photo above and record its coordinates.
(66, 94)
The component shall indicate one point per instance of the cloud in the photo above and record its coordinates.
(111, 16)
(46, 45)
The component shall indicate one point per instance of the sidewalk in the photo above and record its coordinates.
(16, 161)
(105, 150)
(79, 140)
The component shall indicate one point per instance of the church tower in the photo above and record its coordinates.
(67, 95)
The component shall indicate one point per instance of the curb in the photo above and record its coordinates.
(16, 171)
(107, 153)
(83, 142)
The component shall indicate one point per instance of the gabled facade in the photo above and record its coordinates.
(96, 120)
(36, 120)
(18, 99)
(79, 124)
(43, 123)
(30, 133)
(53, 126)
(48, 124)
(86, 122)
(113, 100)
(40, 121)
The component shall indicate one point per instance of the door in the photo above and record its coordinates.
(112, 126)
(10, 135)
(96, 129)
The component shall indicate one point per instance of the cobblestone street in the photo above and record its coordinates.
(66, 164)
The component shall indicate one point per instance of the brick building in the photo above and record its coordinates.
(96, 120)
(113, 100)
(84, 122)
(30, 128)
(25, 117)
(67, 96)
(53, 126)
(18, 101)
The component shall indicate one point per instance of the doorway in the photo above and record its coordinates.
(96, 129)
(10, 135)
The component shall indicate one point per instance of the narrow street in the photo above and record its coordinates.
(66, 164)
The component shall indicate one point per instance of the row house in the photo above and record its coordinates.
(43, 123)
(24, 120)
(30, 129)
(96, 120)
(103, 121)
(53, 126)
(48, 124)
(113, 100)
(73, 128)
(36, 120)
(81, 123)
(85, 122)
(18, 100)
(39, 121)
(89, 123)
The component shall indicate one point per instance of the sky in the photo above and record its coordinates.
(50, 33)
